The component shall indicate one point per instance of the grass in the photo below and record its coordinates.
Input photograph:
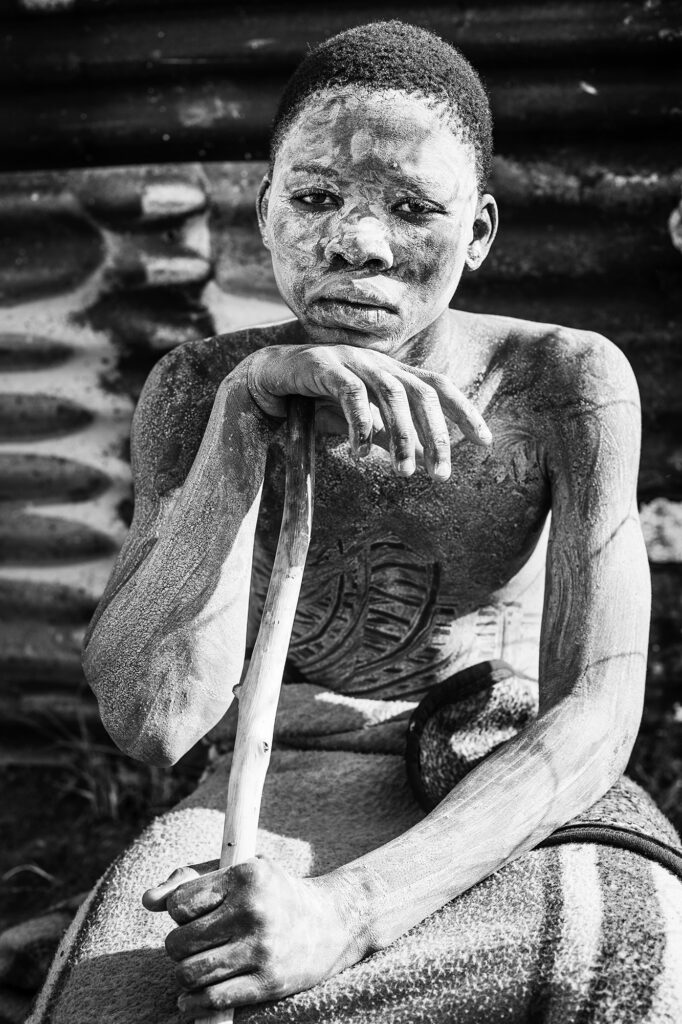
(63, 824)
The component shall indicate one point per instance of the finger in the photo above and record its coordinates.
(155, 897)
(216, 928)
(199, 896)
(391, 398)
(431, 427)
(239, 991)
(214, 965)
(456, 406)
(351, 394)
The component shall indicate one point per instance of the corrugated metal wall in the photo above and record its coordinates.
(104, 266)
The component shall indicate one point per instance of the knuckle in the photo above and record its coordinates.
(351, 389)
(402, 439)
(317, 359)
(437, 381)
(256, 912)
(244, 872)
(391, 388)
(274, 979)
(173, 945)
(440, 443)
(430, 401)
(262, 951)
(423, 391)
(185, 975)
(214, 998)
(175, 903)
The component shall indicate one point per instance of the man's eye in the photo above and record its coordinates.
(316, 199)
(414, 207)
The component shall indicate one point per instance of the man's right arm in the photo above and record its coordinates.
(166, 645)
(168, 641)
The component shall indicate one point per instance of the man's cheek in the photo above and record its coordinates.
(293, 257)
(431, 266)
(441, 265)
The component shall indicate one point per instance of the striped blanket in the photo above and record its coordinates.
(575, 933)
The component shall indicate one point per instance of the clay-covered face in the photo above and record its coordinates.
(369, 217)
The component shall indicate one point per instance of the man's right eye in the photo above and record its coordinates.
(317, 199)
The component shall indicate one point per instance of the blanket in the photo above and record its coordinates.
(575, 933)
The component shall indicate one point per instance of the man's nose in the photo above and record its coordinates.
(359, 242)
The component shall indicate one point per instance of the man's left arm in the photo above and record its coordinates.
(592, 666)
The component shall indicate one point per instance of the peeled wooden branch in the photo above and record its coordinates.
(259, 694)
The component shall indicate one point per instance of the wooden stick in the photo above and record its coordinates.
(259, 694)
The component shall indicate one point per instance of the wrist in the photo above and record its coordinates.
(356, 895)
(270, 405)
(237, 394)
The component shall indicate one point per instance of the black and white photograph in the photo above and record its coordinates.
(340, 512)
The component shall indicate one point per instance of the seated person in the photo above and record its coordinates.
(444, 440)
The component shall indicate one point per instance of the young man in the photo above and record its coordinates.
(445, 440)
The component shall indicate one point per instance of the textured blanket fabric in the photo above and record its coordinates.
(574, 934)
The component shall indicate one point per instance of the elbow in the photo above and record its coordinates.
(136, 735)
(149, 745)
(136, 727)
(613, 733)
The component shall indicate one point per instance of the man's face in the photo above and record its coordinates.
(369, 217)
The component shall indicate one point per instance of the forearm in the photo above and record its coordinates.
(557, 767)
(169, 645)
(592, 670)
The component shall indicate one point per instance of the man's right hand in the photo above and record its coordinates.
(412, 404)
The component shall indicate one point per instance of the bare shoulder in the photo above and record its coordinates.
(578, 368)
(570, 394)
(567, 367)
(176, 402)
(553, 368)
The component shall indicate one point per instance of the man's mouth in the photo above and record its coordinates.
(358, 291)
(351, 312)
(353, 303)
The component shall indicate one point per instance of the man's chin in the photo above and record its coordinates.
(381, 338)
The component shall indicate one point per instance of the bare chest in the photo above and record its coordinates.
(399, 569)
(479, 526)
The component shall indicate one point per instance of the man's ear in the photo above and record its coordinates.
(262, 209)
(484, 231)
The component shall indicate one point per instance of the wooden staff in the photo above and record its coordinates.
(259, 693)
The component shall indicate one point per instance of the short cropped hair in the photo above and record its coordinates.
(395, 55)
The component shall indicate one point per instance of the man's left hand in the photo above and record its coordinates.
(253, 932)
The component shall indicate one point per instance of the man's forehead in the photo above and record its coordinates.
(425, 168)
(384, 132)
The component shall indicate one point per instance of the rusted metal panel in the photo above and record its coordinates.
(228, 118)
(119, 86)
(147, 41)
(103, 270)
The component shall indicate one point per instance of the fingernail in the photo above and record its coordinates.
(363, 449)
(484, 434)
(441, 472)
(406, 467)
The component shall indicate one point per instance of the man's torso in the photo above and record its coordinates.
(409, 580)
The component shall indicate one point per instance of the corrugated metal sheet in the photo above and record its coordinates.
(101, 270)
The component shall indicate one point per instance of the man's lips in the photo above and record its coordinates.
(352, 294)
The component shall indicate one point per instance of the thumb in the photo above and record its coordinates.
(155, 898)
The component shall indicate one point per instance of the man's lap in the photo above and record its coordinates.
(577, 933)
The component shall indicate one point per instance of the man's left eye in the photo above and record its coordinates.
(413, 206)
